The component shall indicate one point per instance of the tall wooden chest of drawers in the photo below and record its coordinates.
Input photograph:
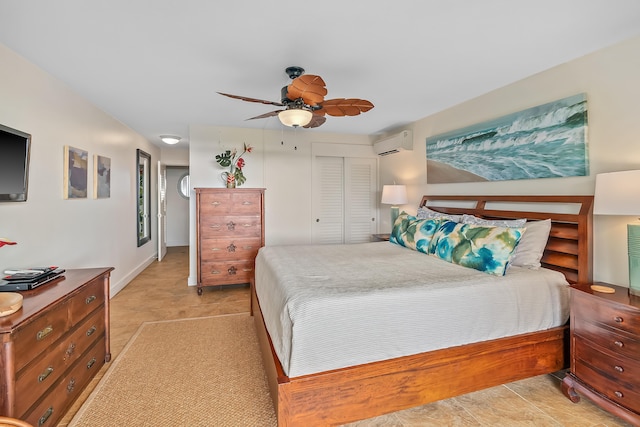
(54, 345)
(605, 350)
(230, 230)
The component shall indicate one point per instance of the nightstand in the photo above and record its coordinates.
(605, 350)
(380, 237)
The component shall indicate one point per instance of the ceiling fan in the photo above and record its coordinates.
(304, 103)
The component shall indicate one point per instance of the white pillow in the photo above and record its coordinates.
(531, 247)
(426, 213)
(510, 223)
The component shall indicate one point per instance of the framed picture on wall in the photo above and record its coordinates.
(101, 177)
(76, 163)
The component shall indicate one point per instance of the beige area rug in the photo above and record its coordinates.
(191, 372)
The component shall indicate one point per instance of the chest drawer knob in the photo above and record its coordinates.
(618, 319)
(231, 226)
(42, 334)
(618, 368)
(618, 394)
(71, 385)
(70, 350)
(43, 376)
(232, 270)
(43, 419)
(619, 344)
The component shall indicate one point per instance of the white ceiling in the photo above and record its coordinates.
(156, 65)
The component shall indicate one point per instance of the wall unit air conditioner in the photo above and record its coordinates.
(394, 143)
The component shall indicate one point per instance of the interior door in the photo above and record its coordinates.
(162, 210)
(344, 199)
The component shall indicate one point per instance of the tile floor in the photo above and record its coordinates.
(161, 293)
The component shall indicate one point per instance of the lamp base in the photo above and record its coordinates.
(633, 242)
(395, 211)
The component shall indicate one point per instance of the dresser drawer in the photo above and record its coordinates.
(617, 342)
(88, 299)
(36, 378)
(230, 226)
(229, 202)
(611, 376)
(57, 400)
(607, 313)
(226, 272)
(36, 336)
(226, 249)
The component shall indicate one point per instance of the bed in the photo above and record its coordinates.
(334, 387)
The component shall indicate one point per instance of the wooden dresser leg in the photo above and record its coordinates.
(568, 390)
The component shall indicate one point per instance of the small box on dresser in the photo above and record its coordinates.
(53, 346)
(230, 231)
(605, 350)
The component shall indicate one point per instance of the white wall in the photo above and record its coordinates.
(70, 233)
(610, 79)
(281, 162)
(177, 209)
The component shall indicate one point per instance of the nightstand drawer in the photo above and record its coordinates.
(616, 391)
(618, 343)
(607, 313)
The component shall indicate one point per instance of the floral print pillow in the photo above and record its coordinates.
(414, 233)
(484, 248)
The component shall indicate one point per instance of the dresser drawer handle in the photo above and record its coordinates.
(215, 249)
(618, 394)
(618, 319)
(215, 226)
(232, 270)
(231, 226)
(42, 334)
(247, 248)
(619, 344)
(43, 376)
(246, 270)
(216, 203)
(247, 203)
(215, 271)
(91, 331)
(248, 225)
(618, 368)
(90, 299)
(91, 363)
(71, 385)
(43, 419)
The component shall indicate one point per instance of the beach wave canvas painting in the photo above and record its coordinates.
(547, 141)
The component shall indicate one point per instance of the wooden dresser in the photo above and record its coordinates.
(54, 345)
(605, 350)
(230, 230)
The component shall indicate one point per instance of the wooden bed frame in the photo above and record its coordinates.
(364, 391)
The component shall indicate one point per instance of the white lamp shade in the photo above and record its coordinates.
(295, 117)
(394, 195)
(617, 193)
(170, 139)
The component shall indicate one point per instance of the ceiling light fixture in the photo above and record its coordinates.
(295, 117)
(170, 139)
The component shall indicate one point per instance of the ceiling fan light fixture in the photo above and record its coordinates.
(295, 117)
(170, 139)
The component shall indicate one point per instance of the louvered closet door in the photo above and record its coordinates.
(344, 200)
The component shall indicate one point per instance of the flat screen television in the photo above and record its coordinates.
(14, 164)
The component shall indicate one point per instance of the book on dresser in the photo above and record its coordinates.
(230, 231)
(54, 345)
(605, 349)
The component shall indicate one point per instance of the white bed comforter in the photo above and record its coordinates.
(332, 306)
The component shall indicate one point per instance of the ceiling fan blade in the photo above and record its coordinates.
(316, 121)
(310, 88)
(346, 106)
(265, 115)
(244, 98)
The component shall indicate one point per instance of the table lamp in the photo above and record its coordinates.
(618, 193)
(394, 195)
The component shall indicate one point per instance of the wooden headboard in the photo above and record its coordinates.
(569, 248)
